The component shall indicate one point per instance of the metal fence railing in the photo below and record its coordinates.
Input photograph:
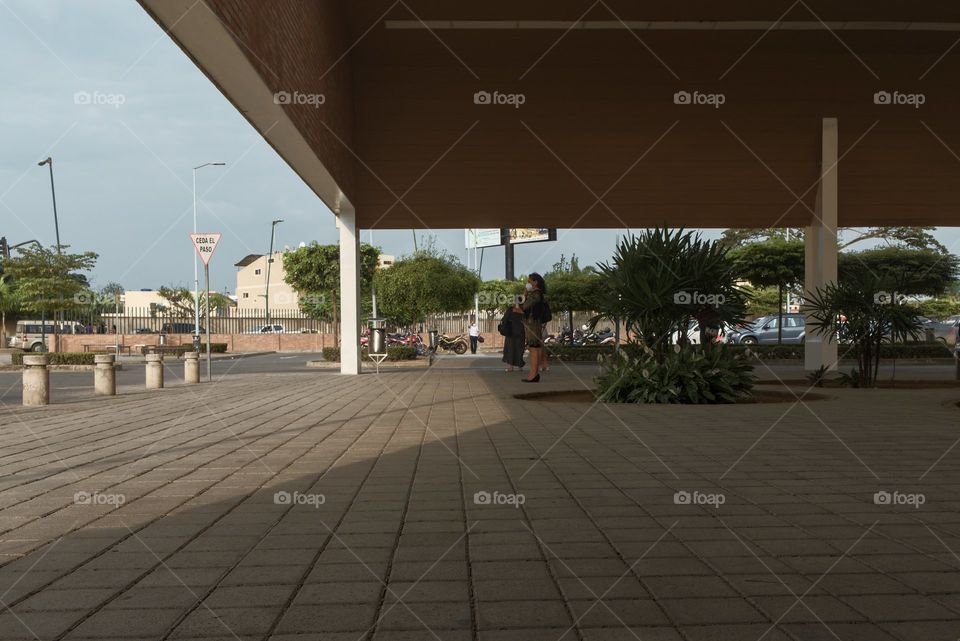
(249, 321)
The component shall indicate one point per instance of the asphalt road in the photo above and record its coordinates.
(66, 386)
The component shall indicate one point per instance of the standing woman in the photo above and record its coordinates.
(532, 310)
(514, 339)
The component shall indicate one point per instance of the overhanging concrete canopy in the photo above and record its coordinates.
(599, 140)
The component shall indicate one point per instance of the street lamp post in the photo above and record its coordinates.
(48, 161)
(196, 273)
(273, 231)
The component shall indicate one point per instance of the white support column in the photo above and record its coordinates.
(820, 238)
(349, 291)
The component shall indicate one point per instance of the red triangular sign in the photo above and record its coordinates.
(205, 244)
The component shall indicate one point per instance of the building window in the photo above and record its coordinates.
(256, 272)
(246, 295)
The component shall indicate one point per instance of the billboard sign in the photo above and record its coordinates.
(477, 238)
(532, 235)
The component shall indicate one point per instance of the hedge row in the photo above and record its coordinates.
(394, 353)
(590, 353)
(58, 358)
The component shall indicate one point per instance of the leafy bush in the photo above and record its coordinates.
(685, 375)
(400, 353)
(578, 353)
(58, 358)
(846, 350)
(768, 352)
(215, 348)
(394, 353)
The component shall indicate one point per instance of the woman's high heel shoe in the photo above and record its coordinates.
(535, 379)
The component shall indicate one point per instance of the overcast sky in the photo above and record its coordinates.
(126, 115)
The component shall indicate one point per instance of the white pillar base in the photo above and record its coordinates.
(349, 291)
(820, 239)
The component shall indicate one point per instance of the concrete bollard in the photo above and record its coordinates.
(191, 367)
(154, 371)
(36, 380)
(104, 375)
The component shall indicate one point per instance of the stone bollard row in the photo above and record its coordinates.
(36, 375)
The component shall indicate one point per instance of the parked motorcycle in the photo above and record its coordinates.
(457, 344)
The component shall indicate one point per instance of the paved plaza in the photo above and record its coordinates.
(432, 504)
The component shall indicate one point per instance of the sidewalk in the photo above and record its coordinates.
(433, 505)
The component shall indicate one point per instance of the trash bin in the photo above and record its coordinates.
(432, 337)
(378, 336)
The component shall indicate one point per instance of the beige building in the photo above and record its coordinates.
(252, 284)
(140, 302)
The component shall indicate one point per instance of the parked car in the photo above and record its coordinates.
(693, 333)
(144, 330)
(29, 333)
(945, 330)
(179, 328)
(763, 331)
(268, 329)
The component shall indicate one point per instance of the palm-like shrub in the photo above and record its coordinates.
(645, 284)
(656, 283)
(862, 311)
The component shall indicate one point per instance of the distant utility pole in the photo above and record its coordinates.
(273, 233)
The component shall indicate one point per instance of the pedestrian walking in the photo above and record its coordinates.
(474, 332)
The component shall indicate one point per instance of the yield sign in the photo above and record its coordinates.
(205, 245)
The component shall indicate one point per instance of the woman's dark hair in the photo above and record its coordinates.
(541, 284)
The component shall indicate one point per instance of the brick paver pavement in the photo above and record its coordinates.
(434, 505)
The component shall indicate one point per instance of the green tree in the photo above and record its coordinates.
(497, 295)
(428, 282)
(902, 270)
(775, 262)
(180, 301)
(314, 272)
(939, 307)
(907, 237)
(762, 301)
(48, 281)
(8, 303)
(573, 288)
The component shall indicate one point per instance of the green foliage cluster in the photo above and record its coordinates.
(179, 301)
(394, 353)
(428, 282)
(48, 281)
(860, 309)
(657, 282)
(902, 270)
(59, 358)
(939, 307)
(686, 375)
(573, 288)
(314, 272)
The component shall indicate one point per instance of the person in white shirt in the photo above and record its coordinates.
(474, 332)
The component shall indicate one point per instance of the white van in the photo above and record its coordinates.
(29, 333)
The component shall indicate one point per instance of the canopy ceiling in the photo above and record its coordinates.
(599, 139)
